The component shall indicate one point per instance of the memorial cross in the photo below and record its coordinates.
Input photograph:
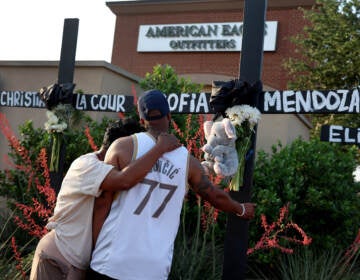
(65, 75)
(236, 236)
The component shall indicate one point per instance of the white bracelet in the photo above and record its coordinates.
(243, 210)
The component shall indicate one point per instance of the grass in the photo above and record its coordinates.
(9, 266)
(306, 264)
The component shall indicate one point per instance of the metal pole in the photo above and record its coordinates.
(237, 231)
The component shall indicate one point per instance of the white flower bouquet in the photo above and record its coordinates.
(53, 125)
(56, 128)
(244, 118)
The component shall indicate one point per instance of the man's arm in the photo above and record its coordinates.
(220, 199)
(132, 172)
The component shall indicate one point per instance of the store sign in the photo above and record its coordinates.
(199, 37)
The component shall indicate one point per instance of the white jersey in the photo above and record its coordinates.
(137, 239)
(72, 219)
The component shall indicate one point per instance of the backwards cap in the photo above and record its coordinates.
(153, 100)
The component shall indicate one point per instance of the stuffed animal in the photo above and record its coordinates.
(220, 152)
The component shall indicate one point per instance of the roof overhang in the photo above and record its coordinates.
(165, 6)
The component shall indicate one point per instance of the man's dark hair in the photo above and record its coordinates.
(119, 129)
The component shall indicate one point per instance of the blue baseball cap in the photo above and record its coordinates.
(153, 100)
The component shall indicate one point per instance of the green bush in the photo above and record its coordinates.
(14, 183)
(33, 140)
(165, 78)
(316, 178)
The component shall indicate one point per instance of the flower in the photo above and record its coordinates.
(244, 118)
(90, 139)
(242, 113)
(52, 124)
(55, 127)
(278, 232)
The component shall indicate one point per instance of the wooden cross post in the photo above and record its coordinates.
(65, 75)
(68, 51)
(236, 237)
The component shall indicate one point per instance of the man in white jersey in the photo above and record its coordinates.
(137, 239)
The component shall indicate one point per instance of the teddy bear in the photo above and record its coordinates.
(220, 152)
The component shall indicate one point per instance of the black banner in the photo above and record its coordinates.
(340, 101)
(27, 99)
(197, 103)
(340, 134)
(84, 102)
(103, 102)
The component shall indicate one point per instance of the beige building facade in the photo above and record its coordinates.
(93, 77)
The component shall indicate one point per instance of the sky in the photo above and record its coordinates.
(32, 29)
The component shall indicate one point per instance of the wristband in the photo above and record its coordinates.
(243, 210)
